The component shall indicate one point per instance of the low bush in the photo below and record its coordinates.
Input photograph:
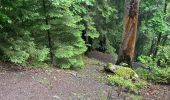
(153, 72)
(155, 75)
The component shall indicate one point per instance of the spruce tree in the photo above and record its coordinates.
(60, 29)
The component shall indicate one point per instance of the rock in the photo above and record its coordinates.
(74, 74)
(138, 65)
(127, 73)
(124, 64)
(110, 68)
(57, 97)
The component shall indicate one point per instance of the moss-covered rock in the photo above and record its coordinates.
(110, 67)
(126, 73)
(121, 71)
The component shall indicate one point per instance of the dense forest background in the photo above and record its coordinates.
(60, 32)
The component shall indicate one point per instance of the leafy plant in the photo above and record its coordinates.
(163, 56)
(153, 72)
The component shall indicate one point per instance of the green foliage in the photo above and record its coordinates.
(33, 30)
(147, 60)
(154, 21)
(153, 72)
(160, 75)
(143, 73)
(105, 16)
(127, 78)
(25, 26)
(161, 60)
(110, 49)
(67, 42)
(164, 56)
(155, 75)
(37, 57)
(127, 84)
(84, 9)
(18, 56)
(17, 43)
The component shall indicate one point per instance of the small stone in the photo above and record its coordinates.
(74, 74)
(57, 97)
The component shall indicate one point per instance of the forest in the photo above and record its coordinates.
(128, 41)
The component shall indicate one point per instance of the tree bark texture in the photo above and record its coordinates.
(49, 35)
(127, 47)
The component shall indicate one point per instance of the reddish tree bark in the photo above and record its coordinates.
(127, 47)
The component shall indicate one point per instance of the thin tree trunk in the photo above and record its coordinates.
(49, 35)
(165, 11)
(165, 6)
(152, 49)
(165, 38)
(85, 32)
(157, 44)
(127, 48)
(160, 34)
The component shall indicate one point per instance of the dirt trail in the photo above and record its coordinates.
(56, 84)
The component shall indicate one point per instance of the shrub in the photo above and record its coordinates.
(27, 54)
(163, 56)
(153, 72)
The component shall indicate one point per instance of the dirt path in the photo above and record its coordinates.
(56, 84)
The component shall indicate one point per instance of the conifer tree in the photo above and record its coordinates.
(60, 28)
(18, 45)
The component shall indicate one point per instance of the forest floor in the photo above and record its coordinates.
(89, 83)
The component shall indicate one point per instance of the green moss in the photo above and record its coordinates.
(126, 72)
(120, 81)
(127, 84)
(109, 65)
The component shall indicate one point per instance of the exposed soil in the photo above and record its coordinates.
(156, 92)
(56, 84)
(107, 58)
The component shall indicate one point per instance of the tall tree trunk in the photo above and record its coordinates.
(49, 35)
(127, 47)
(152, 49)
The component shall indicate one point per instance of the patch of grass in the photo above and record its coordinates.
(128, 84)
(136, 97)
